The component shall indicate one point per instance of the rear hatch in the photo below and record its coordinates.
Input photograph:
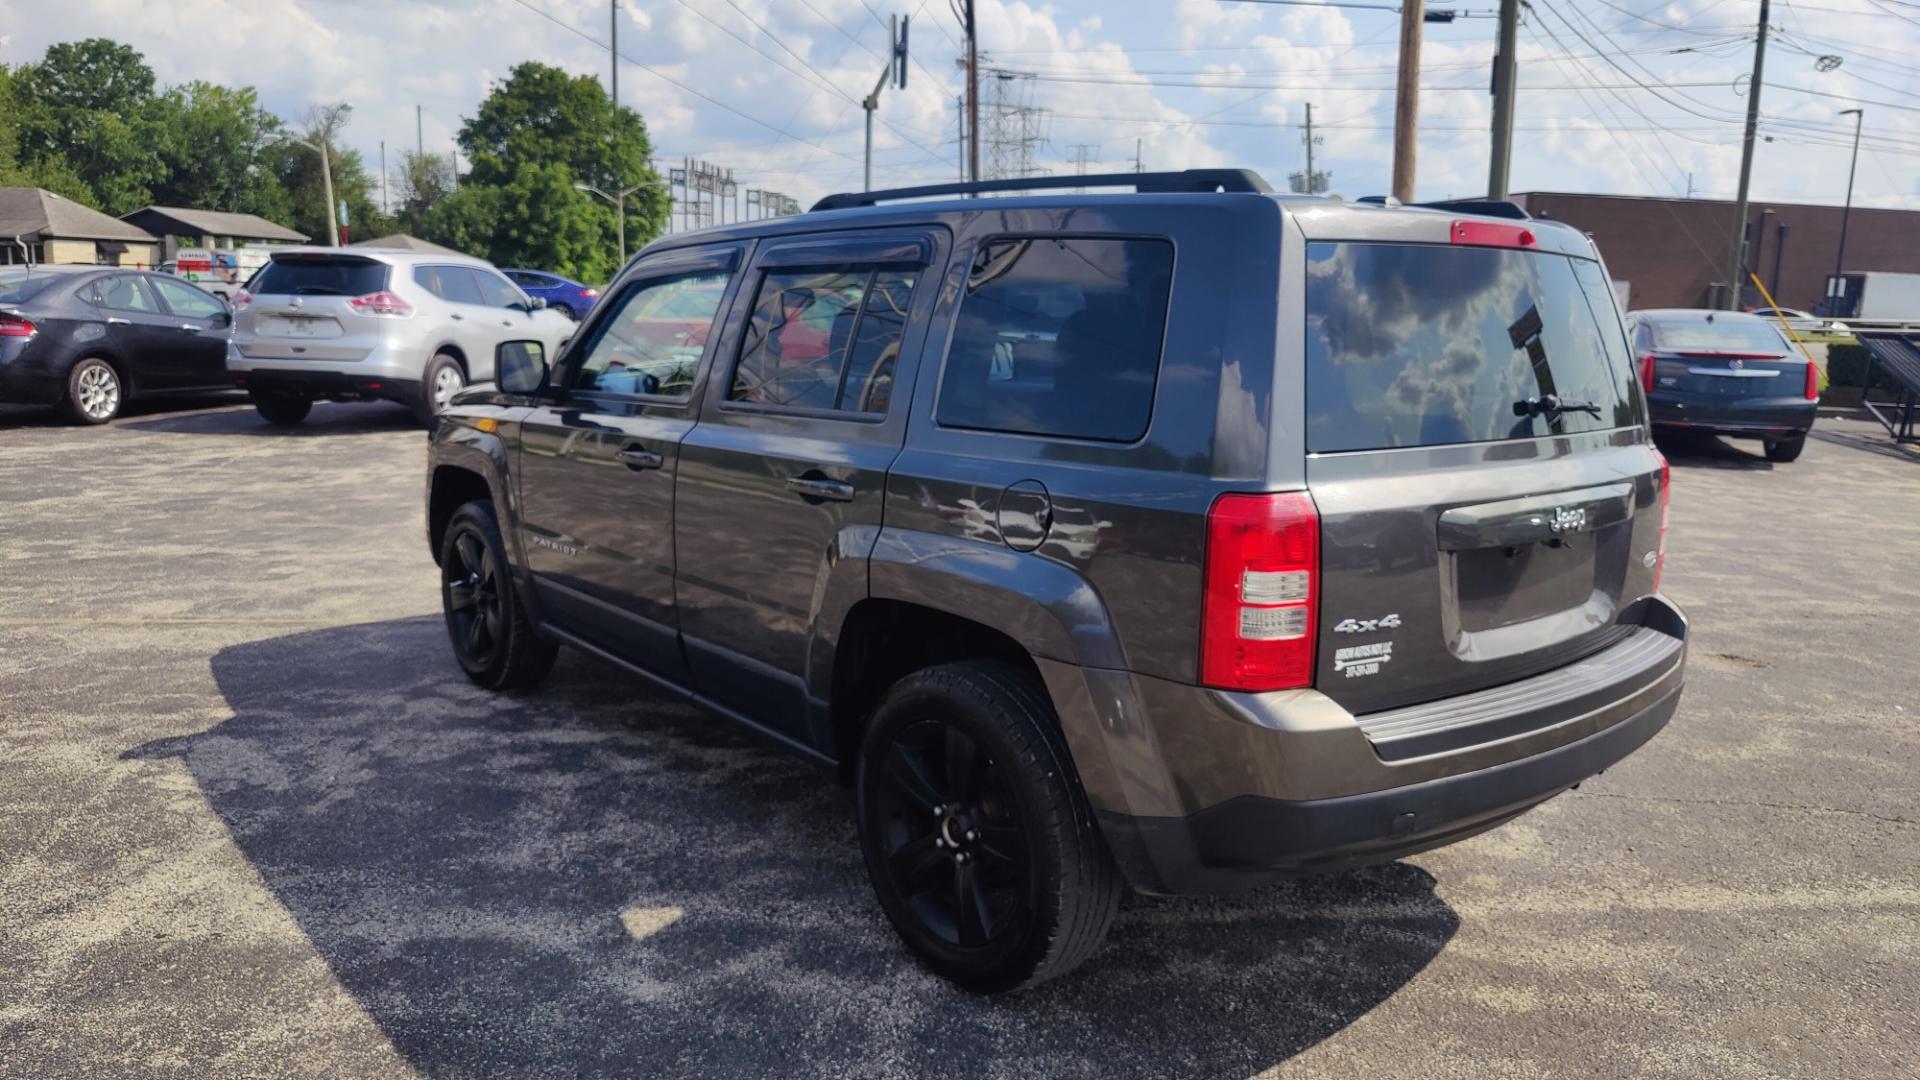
(301, 307)
(1487, 495)
(1719, 355)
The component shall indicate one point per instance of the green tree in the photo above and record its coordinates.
(538, 133)
(87, 104)
(421, 183)
(210, 143)
(296, 167)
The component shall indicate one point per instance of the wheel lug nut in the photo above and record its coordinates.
(973, 834)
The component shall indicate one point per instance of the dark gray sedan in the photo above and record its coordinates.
(89, 338)
(1726, 373)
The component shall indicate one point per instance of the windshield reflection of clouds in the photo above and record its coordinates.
(1412, 345)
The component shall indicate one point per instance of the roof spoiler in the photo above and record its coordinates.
(1188, 180)
(1499, 208)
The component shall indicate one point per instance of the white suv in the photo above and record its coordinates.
(373, 324)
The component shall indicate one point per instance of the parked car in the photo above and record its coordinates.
(371, 324)
(1188, 538)
(1726, 373)
(564, 295)
(90, 338)
(1804, 322)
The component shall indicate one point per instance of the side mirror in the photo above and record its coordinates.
(521, 366)
(535, 303)
(224, 317)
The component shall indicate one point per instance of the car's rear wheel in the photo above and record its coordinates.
(94, 393)
(565, 310)
(489, 628)
(285, 410)
(443, 378)
(977, 838)
(1785, 450)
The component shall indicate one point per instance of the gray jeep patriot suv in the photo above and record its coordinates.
(1181, 538)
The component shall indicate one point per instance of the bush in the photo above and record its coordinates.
(1847, 365)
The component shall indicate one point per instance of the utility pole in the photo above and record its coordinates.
(1737, 261)
(326, 173)
(383, 178)
(1136, 156)
(613, 59)
(419, 139)
(1501, 165)
(973, 95)
(456, 164)
(1309, 141)
(1406, 99)
(1840, 257)
(896, 71)
(960, 127)
(1689, 185)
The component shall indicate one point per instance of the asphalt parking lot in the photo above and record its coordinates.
(254, 822)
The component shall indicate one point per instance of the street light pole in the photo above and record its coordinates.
(326, 178)
(1840, 257)
(619, 210)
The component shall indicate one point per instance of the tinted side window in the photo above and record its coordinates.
(1059, 336)
(187, 301)
(126, 293)
(461, 285)
(428, 278)
(651, 340)
(1424, 344)
(824, 340)
(495, 292)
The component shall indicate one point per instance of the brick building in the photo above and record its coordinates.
(1673, 252)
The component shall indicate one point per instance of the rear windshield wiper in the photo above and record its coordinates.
(1552, 405)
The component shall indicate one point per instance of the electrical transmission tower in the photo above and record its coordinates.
(1014, 129)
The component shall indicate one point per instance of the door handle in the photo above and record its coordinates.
(115, 320)
(640, 459)
(189, 328)
(814, 487)
(459, 317)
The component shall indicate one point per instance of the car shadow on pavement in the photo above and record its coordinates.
(25, 416)
(1881, 445)
(326, 419)
(1698, 450)
(593, 879)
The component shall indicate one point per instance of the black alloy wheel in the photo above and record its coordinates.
(472, 580)
(952, 837)
(977, 837)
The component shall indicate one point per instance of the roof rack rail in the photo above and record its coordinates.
(1484, 207)
(1244, 180)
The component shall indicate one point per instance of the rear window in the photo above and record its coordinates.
(1723, 333)
(1059, 336)
(1424, 345)
(18, 287)
(320, 277)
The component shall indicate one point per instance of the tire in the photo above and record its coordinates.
(94, 392)
(565, 310)
(282, 409)
(443, 378)
(487, 625)
(1785, 450)
(965, 791)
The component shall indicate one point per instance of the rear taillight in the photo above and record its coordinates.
(1646, 372)
(1492, 234)
(589, 293)
(1261, 592)
(15, 326)
(1813, 381)
(241, 298)
(1666, 490)
(381, 303)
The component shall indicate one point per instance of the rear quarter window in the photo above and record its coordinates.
(1425, 344)
(22, 286)
(1059, 336)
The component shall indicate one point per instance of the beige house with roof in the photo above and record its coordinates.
(38, 226)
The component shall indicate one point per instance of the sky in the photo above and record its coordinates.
(772, 87)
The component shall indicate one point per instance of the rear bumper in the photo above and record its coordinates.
(1762, 418)
(1201, 791)
(327, 385)
(26, 376)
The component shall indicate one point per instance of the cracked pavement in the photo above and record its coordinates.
(253, 822)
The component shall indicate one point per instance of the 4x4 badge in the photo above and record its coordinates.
(1367, 626)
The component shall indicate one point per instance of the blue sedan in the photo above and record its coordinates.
(570, 298)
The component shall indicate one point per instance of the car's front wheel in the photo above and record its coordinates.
(94, 394)
(489, 628)
(1785, 450)
(976, 835)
